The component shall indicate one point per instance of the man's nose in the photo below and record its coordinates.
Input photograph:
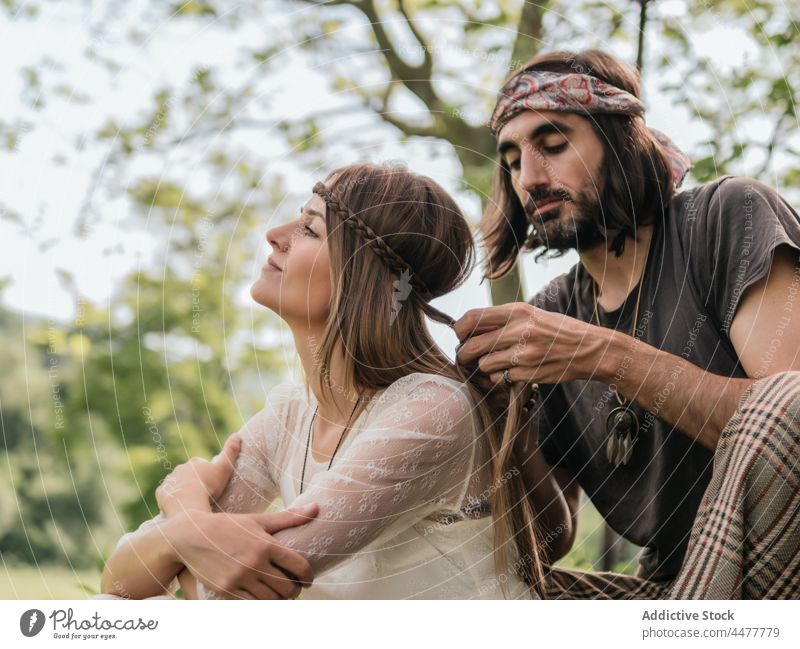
(534, 171)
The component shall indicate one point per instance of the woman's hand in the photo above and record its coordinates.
(197, 483)
(236, 556)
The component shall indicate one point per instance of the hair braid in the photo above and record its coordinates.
(371, 238)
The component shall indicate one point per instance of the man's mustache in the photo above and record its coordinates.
(544, 196)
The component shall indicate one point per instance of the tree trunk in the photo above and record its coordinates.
(507, 289)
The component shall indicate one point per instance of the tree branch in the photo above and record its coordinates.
(642, 26)
(425, 69)
(417, 78)
(477, 144)
(409, 129)
(245, 124)
(529, 33)
(770, 146)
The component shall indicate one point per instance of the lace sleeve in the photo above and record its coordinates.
(174, 585)
(254, 483)
(413, 459)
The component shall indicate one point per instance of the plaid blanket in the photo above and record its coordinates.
(745, 542)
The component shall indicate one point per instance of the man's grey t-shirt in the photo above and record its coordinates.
(714, 242)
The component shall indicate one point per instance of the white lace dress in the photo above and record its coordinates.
(403, 508)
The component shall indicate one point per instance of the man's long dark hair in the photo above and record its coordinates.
(636, 183)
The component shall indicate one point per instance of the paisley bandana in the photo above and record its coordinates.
(577, 93)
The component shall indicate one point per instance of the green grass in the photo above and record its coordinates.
(585, 553)
(46, 582)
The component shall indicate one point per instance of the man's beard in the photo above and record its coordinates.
(557, 232)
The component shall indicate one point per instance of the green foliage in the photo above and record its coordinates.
(732, 101)
(193, 8)
(162, 380)
(51, 493)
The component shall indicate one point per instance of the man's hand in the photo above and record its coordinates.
(197, 483)
(538, 346)
(236, 556)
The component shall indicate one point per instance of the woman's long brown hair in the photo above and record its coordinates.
(382, 332)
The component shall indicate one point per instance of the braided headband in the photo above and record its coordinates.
(577, 93)
(383, 250)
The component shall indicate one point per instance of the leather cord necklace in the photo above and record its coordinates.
(622, 425)
(338, 443)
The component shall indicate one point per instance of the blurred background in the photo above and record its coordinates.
(145, 148)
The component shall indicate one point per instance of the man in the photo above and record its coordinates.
(666, 358)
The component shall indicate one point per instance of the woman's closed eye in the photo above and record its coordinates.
(307, 231)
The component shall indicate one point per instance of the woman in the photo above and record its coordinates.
(404, 458)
